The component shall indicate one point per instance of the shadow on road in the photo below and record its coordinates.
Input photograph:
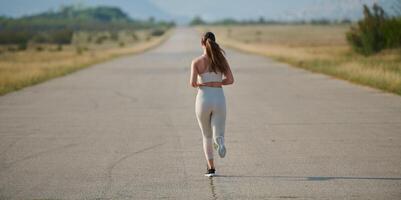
(314, 178)
(213, 189)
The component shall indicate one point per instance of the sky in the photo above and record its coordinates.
(270, 9)
(207, 9)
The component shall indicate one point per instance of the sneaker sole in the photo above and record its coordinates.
(221, 150)
(210, 175)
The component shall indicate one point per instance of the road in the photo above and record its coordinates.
(126, 129)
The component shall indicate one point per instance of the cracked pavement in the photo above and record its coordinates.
(126, 129)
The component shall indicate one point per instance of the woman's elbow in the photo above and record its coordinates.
(230, 81)
(192, 84)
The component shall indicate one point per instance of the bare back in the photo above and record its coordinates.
(203, 64)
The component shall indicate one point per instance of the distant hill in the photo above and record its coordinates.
(136, 9)
(77, 18)
(59, 26)
(101, 13)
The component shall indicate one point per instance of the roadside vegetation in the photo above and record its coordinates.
(40, 47)
(367, 52)
(377, 31)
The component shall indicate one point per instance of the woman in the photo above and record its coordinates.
(210, 106)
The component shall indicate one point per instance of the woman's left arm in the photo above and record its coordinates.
(193, 81)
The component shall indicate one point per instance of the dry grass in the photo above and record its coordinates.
(24, 68)
(320, 49)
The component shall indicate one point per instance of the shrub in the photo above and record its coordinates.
(53, 37)
(22, 46)
(14, 37)
(89, 38)
(59, 47)
(61, 36)
(114, 36)
(134, 37)
(39, 48)
(375, 32)
(392, 33)
(157, 32)
(100, 39)
(79, 50)
(367, 38)
(11, 49)
(40, 38)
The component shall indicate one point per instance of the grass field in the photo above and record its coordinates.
(318, 48)
(39, 62)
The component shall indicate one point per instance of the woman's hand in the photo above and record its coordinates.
(197, 84)
(211, 84)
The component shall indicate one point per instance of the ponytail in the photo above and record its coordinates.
(215, 53)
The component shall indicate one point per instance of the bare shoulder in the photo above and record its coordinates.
(197, 63)
(197, 60)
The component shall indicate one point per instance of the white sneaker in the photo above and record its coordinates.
(221, 149)
(210, 172)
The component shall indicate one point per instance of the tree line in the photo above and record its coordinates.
(197, 20)
(57, 27)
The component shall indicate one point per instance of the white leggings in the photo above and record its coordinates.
(210, 108)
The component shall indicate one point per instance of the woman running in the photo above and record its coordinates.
(210, 106)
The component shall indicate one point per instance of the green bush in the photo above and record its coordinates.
(39, 48)
(80, 49)
(392, 33)
(367, 37)
(61, 36)
(40, 38)
(157, 32)
(59, 47)
(135, 37)
(101, 39)
(15, 37)
(11, 49)
(114, 36)
(375, 32)
(22, 46)
(55, 37)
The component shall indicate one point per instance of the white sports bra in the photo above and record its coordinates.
(210, 77)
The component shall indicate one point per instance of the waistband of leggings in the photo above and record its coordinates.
(210, 88)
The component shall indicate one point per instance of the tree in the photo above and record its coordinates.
(367, 37)
(376, 31)
(261, 20)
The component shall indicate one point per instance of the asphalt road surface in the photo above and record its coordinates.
(126, 129)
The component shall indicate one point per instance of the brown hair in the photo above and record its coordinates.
(215, 53)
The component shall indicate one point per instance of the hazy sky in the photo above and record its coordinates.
(272, 9)
(208, 9)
